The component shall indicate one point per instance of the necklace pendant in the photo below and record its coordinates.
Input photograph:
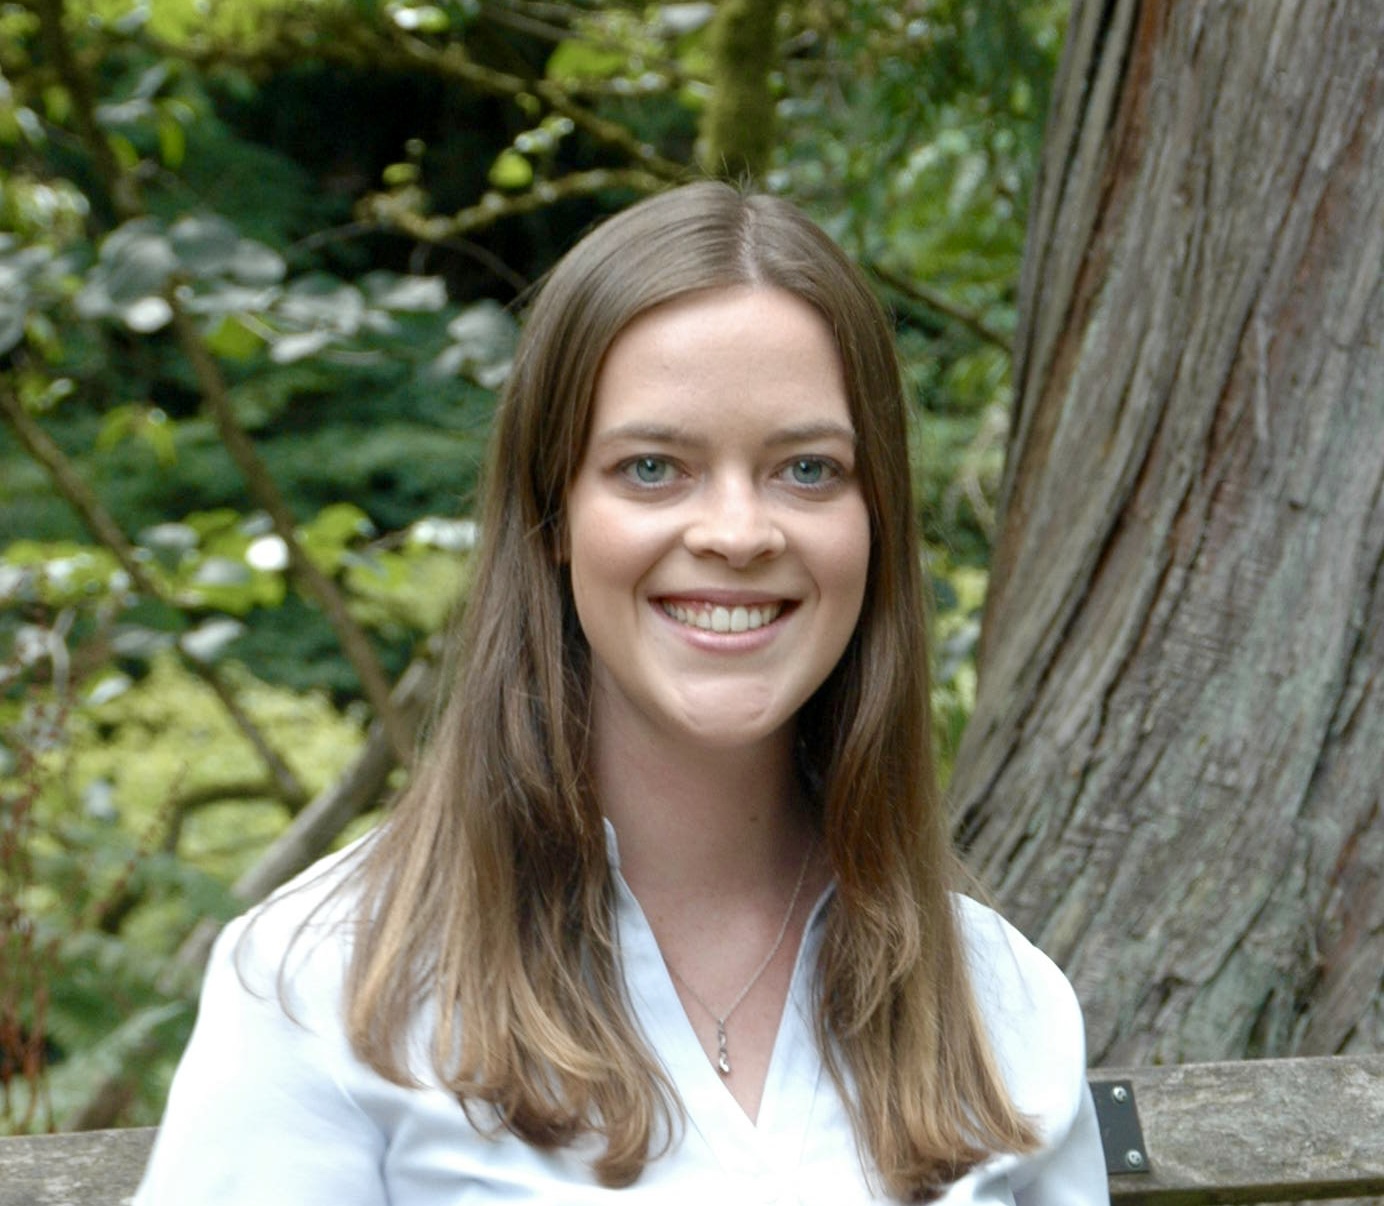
(723, 1052)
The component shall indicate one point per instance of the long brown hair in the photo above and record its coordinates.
(488, 891)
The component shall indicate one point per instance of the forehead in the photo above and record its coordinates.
(727, 354)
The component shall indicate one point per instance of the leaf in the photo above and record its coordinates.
(123, 113)
(511, 170)
(319, 300)
(176, 538)
(231, 339)
(268, 554)
(147, 423)
(205, 245)
(451, 535)
(125, 153)
(257, 265)
(221, 571)
(94, 299)
(680, 19)
(575, 59)
(67, 572)
(98, 801)
(288, 348)
(402, 592)
(224, 580)
(151, 81)
(136, 262)
(422, 18)
(132, 20)
(111, 686)
(30, 126)
(147, 315)
(208, 643)
(16, 584)
(12, 318)
(138, 642)
(334, 528)
(408, 294)
(484, 332)
(338, 524)
(172, 142)
(483, 340)
(209, 525)
(57, 104)
(222, 297)
(157, 432)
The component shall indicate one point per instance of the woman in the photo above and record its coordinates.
(668, 909)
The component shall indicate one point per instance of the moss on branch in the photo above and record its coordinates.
(738, 126)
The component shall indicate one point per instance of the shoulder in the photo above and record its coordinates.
(1015, 982)
(295, 944)
(266, 1102)
(1031, 1016)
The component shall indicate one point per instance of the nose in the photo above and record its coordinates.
(734, 522)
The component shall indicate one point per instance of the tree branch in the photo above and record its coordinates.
(348, 43)
(493, 207)
(737, 133)
(82, 499)
(935, 300)
(110, 913)
(121, 187)
(452, 62)
(288, 789)
(265, 491)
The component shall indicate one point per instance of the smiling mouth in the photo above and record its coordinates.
(717, 618)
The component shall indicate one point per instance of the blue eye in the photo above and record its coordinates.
(648, 470)
(811, 471)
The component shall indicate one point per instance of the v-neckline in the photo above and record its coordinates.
(710, 1108)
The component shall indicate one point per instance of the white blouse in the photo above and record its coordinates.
(271, 1107)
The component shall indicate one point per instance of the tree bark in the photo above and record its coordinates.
(1172, 775)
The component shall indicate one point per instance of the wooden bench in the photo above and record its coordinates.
(1252, 1131)
(1272, 1130)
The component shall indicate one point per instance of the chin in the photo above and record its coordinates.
(734, 732)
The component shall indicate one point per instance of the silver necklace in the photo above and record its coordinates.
(722, 1050)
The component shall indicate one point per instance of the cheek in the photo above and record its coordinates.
(848, 563)
(587, 564)
(607, 554)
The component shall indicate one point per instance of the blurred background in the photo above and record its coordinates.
(262, 264)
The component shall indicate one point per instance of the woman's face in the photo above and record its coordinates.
(717, 536)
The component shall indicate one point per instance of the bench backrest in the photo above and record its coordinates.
(1269, 1130)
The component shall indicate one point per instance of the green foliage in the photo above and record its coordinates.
(914, 140)
(286, 179)
(113, 798)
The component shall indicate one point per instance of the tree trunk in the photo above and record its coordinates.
(1172, 778)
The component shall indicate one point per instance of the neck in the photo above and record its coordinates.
(689, 819)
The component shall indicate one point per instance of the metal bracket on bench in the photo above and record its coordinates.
(1120, 1133)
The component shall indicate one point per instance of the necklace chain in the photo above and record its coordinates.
(723, 1051)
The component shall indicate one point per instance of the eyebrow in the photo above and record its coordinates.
(664, 433)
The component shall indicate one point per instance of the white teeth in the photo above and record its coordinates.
(724, 619)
